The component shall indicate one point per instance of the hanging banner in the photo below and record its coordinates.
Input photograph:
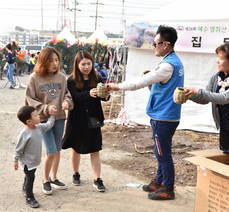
(192, 36)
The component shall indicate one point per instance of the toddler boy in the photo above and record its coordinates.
(29, 148)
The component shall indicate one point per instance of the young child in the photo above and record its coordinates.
(29, 148)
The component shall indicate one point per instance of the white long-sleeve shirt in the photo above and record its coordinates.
(161, 73)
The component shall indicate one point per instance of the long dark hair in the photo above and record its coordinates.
(77, 75)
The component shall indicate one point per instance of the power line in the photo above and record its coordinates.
(91, 11)
(42, 17)
(74, 9)
(127, 5)
(97, 10)
(123, 19)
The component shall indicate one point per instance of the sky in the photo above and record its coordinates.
(27, 13)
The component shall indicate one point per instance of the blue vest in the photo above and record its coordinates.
(161, 105)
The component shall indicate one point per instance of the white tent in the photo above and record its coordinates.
(192, 19)
(66, 34)
(97, 36)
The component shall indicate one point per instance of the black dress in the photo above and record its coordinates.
(77, 134)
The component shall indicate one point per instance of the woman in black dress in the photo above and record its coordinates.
(79, 135)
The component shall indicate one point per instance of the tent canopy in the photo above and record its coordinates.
(98, 35)
(66, 34)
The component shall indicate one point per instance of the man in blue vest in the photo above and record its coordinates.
(164, 113)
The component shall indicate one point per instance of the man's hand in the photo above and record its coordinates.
(112, 86)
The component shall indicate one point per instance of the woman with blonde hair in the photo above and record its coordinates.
(47, 92)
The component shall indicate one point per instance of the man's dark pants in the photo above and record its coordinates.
(163, 132)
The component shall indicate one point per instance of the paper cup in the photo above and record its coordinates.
(101, 90)
(179, 95)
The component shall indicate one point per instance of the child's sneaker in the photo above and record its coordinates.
(47, 189)
(98, 184)
(57, 184)
(32, 202)
(163, 193)
(76, 179)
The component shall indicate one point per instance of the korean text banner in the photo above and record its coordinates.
(192, 36)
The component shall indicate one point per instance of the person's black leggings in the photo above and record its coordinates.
(28, 181)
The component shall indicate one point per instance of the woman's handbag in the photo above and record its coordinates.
(94, 123)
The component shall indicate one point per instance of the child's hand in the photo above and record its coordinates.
(15, 165)
(52, 110)
(65, 105)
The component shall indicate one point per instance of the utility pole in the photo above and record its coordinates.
(63, 18)
(123, 25)
(75, 3)
(96, 12)
(74, 9)
(42, 16)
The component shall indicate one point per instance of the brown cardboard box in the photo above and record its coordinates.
(212, 187)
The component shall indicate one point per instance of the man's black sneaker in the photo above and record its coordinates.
(57, 184)
(162, 194)
(98, 184)
(11, 87)
(76, 179)
(47, 189)
(152, 186)
(32, 202)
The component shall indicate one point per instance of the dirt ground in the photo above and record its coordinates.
(127, 157)
(136, 140)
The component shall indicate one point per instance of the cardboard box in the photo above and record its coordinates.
(212, 187)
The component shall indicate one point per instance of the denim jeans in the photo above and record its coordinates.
(163, 132)
(10, 73)
(53, 137)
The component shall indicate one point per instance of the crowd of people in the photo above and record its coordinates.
(16, 62)
(49, 95)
